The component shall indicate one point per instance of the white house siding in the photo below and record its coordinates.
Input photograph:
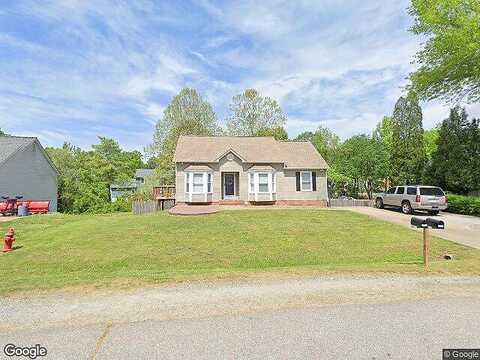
(29, 173)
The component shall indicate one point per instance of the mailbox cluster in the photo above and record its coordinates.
(427, 223)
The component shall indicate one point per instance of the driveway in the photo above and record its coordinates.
(296, 317)
(459, 228)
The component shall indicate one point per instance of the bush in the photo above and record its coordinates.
(466, 205)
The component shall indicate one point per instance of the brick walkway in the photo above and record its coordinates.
(193, 209)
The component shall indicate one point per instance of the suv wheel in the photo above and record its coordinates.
(379, 203)
(406, 207)
(433, 212)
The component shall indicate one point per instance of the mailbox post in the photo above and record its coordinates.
(422, 224)
(425, 224)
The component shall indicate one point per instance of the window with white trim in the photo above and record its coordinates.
(263, 183)
(198, 182)
(209, 183)
(306, 181)
(187, 182)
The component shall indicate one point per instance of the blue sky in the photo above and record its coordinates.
(74, 69)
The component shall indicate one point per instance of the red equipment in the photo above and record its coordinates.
(37, 206)
(8, 206)
(9, 239)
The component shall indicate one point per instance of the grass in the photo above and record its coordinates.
(56, 251)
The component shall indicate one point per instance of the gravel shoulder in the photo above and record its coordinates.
(206, 299)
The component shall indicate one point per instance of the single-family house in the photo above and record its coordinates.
(249, 170)
(26, 170)
(117, 190)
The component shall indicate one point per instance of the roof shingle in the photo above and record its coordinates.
(9, 145)
(209, 149)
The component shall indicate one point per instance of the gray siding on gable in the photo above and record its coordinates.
(29, 173)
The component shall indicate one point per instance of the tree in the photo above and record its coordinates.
(362, 160)
(324, 140)
(187, 114)
(383, 134)
(252, 113)
(408, 152)
(2, 133)
(278, 133)
(455, 164)
(86, 176)
(450, 59)
(430, 138)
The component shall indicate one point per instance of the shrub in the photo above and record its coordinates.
(466, 205)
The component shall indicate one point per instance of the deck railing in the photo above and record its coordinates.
(164, 192)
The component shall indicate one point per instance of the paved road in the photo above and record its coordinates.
(459, 228)
(337, 317)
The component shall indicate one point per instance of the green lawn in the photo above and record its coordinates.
(107, 250)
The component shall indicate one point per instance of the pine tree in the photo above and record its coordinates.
(408, 152)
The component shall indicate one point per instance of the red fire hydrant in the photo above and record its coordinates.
(9, 239)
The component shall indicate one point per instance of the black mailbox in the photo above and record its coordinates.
(418, 222)
(435, 223)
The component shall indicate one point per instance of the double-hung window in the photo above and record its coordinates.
(263, 186)
(306, 181)
(209, 183)
(252, 182)
(198, 182)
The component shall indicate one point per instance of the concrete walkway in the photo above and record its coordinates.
(459, 228)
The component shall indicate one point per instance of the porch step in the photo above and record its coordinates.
(231, 202)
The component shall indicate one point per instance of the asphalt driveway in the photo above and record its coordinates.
(459, 228)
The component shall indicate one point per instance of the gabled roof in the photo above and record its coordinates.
(143, 173)
(210, 149)
(10, 145)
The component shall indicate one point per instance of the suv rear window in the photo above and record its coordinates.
(433, 191)
(412, 191)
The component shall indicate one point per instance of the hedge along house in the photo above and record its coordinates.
(26, 170)
(249, 170)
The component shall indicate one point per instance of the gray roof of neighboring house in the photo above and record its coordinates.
(210, 149)
(9, 145)
(143, 173)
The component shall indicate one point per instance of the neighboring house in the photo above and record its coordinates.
(117, 190)
(240, 170)
(26, 170)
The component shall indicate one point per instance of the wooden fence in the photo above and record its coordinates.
(350, 202)
(144, 207)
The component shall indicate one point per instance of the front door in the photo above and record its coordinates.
(229, 180)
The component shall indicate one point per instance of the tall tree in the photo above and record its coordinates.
(187, 114)
(362, 160)
(430, 138)
(455, 164)
(449, 63)
(383, 135)
(278, 133)
(252, 112)
(408, 153)
(324, 140)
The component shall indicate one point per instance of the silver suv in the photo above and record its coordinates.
(413, 197)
